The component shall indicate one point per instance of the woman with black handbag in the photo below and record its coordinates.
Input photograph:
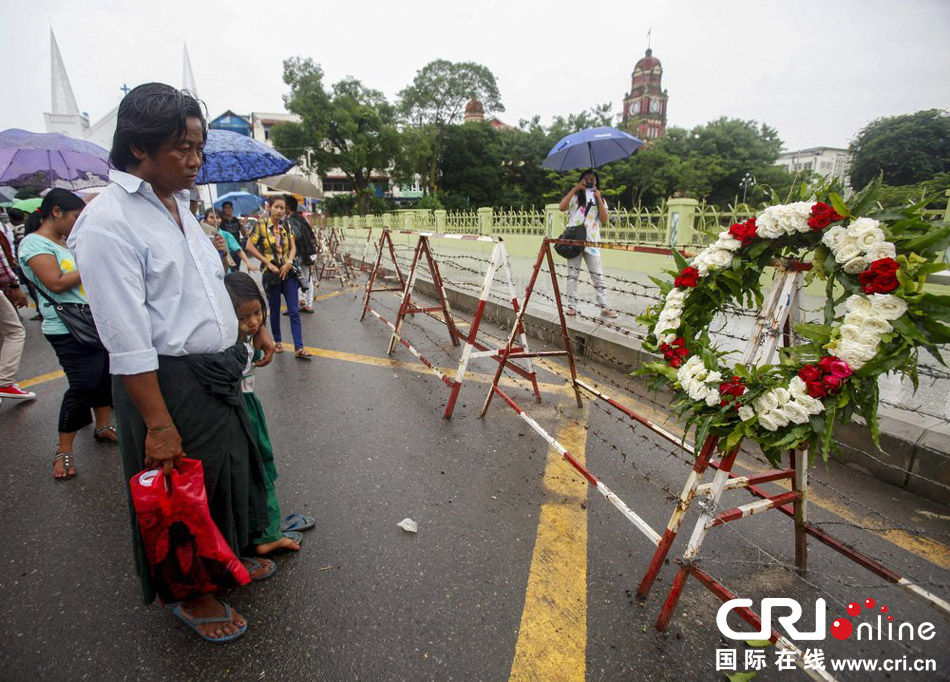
(272, 243)
(51, 267)
(586, 206)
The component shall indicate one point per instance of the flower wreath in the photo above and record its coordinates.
(874, 266)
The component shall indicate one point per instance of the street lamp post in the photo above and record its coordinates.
(747, 179)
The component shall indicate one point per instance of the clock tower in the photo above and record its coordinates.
(644, 107)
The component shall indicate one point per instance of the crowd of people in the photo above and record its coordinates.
(156, 327)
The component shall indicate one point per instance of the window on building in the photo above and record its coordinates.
(337, 185)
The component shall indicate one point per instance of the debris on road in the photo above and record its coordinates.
(409, 525)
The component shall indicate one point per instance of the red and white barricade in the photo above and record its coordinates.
(473, 347)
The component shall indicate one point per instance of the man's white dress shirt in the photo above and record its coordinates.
(154, 288)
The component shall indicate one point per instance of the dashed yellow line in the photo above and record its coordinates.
(49, 376)
(552, 638)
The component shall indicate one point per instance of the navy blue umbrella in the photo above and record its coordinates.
(232, 157)
(244, 203)
(590, 148)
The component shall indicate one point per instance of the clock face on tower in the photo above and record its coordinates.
(654, 105)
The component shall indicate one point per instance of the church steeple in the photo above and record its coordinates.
(63, 100)
(65, 116)
(188, 74)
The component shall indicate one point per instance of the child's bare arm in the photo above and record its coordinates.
(265, 342)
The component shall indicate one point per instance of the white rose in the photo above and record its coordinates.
(698, 391)
(768, 421)
(746, 413)
(851, 332)
(859, 317)
(811, 405)
(888, 306)
(846, 251)
(781, 395)
(797, 388)
(712, 398)
(713, 377)
(882, 250)
(768, 227)
(795, 412)
(870, 239)
(666, 338)
(833, 237)
(876, 325)
(676, 296)
(730, 244)
(796, 216)
(856, 265)
(779, 416)
(719, 258)
(857, 303)
(855, 353)
(862, 226)
(765, 403)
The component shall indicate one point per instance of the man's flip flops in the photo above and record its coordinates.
(297, 522)
(193, 623)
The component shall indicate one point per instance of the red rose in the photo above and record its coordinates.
(836, 367)
(744, 232)
(822, 215)
(884, 266)
(874, 283)
(730, 390)
(832, 383)
(689, 277)
(810, 373)
(676, 363)
(816, 389)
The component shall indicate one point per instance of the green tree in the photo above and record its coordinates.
(436, 98)
(906, 149)
(471, 165)
(351, 127)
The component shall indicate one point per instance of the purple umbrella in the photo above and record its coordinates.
(51, 160)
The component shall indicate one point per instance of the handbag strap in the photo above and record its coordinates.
(53, 302)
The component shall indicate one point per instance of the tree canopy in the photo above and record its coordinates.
(351, 127)
(907, 149)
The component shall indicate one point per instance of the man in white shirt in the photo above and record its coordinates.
(156, 287)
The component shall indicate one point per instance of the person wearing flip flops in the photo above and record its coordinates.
(585, 205)
(50, 265)
(282, 534)
(156, 289)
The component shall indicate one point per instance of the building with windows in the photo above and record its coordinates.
(644, 107)
(827, 162)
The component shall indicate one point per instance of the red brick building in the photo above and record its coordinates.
(644, 107)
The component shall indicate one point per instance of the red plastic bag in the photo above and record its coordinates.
(187, 555)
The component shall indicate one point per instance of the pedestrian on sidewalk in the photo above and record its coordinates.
(585, 205)
(283, 533)
(306, 243)
(272, 243)
(49, 264)
(212, 226)
(231, 224)
(12, 334)
(156, 286)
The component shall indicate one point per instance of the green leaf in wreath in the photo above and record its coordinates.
(680, 261)
(838, 204)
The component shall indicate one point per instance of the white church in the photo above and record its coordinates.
(66, 118)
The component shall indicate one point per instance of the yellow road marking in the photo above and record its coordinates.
(49, 376)
(552, 638)
(932, 551)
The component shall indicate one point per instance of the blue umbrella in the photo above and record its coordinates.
(232, 157)
(244, 203)
(51, 160)
(590, 148)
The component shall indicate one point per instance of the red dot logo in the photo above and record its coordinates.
(853, 609)
(841, 628)
(883, 609)
(890, 617)
(869, 603)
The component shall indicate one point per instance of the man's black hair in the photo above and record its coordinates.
(291, 202)
(16, 215)
(149, 115)
(227, 203)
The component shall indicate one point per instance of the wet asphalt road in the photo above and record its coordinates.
(362, 446)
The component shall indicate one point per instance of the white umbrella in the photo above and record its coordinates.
(295, 183)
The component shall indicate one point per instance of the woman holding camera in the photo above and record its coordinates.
(272, 243)
(585, 205)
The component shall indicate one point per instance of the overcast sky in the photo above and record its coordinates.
(816, 70)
